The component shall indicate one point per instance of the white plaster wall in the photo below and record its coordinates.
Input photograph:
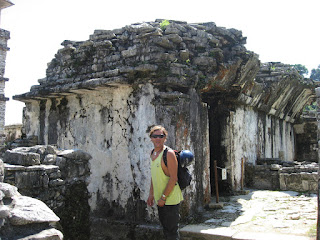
(289, 141)
(31, 118)
(105, 140)
(250, 136)
(244, 134)
(117, 168)
(140, 143)
(112, 125)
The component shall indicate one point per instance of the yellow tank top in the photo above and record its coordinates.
(159, 182)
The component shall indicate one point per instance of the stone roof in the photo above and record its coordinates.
(174, 57)
(5, 4)
(182, 54)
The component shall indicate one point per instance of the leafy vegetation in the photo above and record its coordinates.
(302, 70)
(315, 74)
(164, 24)
(313, 231)
(312, 107)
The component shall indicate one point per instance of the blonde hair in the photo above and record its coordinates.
(156, 128)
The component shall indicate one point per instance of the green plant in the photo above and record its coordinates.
(164, 24)
(313, 230)
(312, 107)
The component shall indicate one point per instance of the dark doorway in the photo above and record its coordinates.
(218, 114)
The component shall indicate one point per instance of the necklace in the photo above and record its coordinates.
(154, 153)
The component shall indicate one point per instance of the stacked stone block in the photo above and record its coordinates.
(56, 177)
(295, 176)
(24, 217)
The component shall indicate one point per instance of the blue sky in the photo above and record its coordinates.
(280, 31)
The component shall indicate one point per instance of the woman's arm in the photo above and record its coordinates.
(171, 171)
(150, 200)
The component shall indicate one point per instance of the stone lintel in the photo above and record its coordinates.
(43, 92)
(5, 4)
(3, 98)
(4, 47)
(4, 79)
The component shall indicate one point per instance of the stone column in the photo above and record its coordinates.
(4, 36)
(1, 171)
(318, 120)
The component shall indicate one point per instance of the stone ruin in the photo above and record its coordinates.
(300, 175)
(23, 217)
(198, 80)
(275, 174)
(58, 178)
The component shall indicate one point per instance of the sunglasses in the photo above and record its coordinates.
(157, 136)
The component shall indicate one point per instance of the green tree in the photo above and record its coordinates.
(315, 74)
(302, 70)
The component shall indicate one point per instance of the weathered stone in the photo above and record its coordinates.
(205, 61)
(132, 51)
(30, 178)
(50, 234)
(1, 195)
(50, 159)
(164, 42)
(75, 154)
(174, 38)
(184, 55)
(62, 186)
(275, 167)
(29, 210)
(61, 162)
(9, 190)
(56, 174)
(51, 149)
(21, 158)
(56, 182)
(1, 170)
(146, 68)
(306, 137)
(24, 217)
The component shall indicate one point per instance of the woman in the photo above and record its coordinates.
(164, 188)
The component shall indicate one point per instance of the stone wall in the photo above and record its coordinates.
(13, 132)
(306, 139)
(286, 176)
(112, 125)
(56, 177)
(4, 37)
(24, 217)
(251, 135)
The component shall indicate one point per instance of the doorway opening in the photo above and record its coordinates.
(218, 114)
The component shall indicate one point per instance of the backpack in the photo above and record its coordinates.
(184, 176)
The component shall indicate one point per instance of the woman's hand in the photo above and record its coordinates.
(161, 202)
(150, 200)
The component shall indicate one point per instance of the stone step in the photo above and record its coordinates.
(204, 232)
